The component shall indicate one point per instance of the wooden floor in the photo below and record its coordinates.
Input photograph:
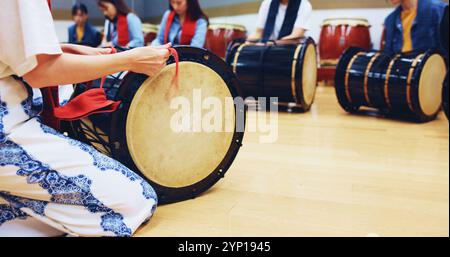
(329, 174)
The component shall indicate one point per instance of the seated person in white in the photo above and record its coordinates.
(282, 20)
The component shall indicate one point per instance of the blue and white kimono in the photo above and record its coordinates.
(51, 185)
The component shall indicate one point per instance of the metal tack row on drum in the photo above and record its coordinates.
(407, 85)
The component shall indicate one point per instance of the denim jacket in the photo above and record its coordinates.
(425, 32)
(92, 37)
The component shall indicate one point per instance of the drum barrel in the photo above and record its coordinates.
(276, 71)
(339, 34)
(401, 85)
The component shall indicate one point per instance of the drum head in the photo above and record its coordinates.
(168, 157)
(430, 84)
(309, 74)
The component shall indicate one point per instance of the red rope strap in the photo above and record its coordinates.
(174, 53)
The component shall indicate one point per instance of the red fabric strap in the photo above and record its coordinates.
(91, 102)
(188, 30)
(122, 31)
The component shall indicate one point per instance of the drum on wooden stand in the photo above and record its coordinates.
(150, 32)
(219, 36)
(336, 36)
(179, 163)
(285, 71)
(407, 85)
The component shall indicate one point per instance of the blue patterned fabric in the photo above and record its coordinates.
(105, 163)
(8, 213)
(63, 189)
(66, 193)
(3, 112)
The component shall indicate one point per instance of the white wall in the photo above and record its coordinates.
(375, 17)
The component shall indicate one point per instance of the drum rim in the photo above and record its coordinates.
(339, 80)
(239, 27)
(354, 22)
(299, 79)
(445, 91)
(168, 195)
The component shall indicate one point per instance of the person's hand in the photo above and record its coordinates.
(84, 50)
(149, 60)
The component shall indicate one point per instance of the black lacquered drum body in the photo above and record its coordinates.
(178, 165)
(445, 96)
(288, 72)
(406, 85)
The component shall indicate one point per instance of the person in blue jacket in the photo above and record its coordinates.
(83, 33)
(414, 26)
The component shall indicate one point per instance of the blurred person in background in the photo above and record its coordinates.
(184, 23)
(83, 33)
(414, 25)
(123, 28)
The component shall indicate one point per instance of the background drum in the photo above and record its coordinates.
(336, 36)
(288, 72)
(150, 32)
(409, 85)
(179, 165)
(383, 40)
(221, 35)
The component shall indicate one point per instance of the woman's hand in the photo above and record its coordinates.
(84, 50)
(148, 60)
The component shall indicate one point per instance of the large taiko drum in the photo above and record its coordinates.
(405, 85)
(150, 32)
(285, 71)
(336, 36)
(180, 164)
(221, 35)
